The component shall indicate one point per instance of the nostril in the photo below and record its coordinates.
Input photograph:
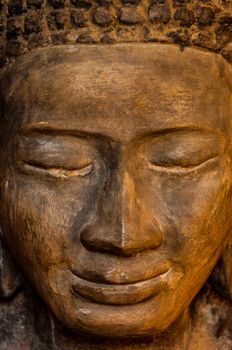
(88, 240)
(135, 237)
(98, 242)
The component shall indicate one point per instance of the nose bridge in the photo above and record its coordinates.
(123, 225)
(140, 230)
(127, 209)
(114, 204)
(120, 214)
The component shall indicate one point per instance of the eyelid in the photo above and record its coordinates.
(55, 151)
(184, 150)
(181, 170)
(58, 172)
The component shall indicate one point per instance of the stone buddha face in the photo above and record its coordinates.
(116, 180)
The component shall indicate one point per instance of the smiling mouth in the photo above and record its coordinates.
(124, 294)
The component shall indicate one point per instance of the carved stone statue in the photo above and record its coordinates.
(115, 192)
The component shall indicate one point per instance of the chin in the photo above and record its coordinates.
(145, 310)
(111, 321)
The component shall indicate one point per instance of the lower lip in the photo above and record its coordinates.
(126, 294)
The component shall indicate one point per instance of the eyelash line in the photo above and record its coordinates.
(180, 170)
(59, 172)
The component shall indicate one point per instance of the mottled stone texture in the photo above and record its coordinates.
(98, 145)
(27, 24)
(26, 324)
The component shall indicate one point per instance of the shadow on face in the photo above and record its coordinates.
(117, 181)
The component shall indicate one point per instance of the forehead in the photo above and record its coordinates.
(121, 90)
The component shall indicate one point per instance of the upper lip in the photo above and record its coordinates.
(111, 270)
(120, 294)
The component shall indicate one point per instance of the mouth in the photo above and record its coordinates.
(124, 294)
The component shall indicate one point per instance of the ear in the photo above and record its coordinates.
(10, 277)
(227, 267)
(221, 277)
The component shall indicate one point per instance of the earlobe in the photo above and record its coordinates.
(221, 276)
(10, 277)
(227, 267)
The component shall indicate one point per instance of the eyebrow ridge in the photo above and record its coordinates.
(50, 130)
(35, 130)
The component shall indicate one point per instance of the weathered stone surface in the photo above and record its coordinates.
(34, 3)
(133, 2)
(227, 53)
(15, 7)
(130, 98)
(57, 4)
(105, 3)
(205, 16)
(185, 16)
(159, 13)
(223, 36)
(61, 19)
(15, 48)
(168, 148)
(180, 2)
(10, 278)
(78, 18)
(128, 15)
(32, 23)
(150, 21)
(14, 27)
(85, 38)
(25, 317)
(102, 17)
(2, 26)
(82, 4)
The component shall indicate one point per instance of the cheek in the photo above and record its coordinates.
(193, 211)
(44, 220)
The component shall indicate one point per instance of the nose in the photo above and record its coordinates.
(123, 225)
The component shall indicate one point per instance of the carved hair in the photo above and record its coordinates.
(28, 24)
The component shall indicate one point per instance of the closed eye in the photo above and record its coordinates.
(179, 169)
(182, 152)
(58, 171)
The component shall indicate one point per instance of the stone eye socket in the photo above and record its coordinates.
(57, 156)
(182, 151)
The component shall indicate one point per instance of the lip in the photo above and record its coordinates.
(120, 294)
